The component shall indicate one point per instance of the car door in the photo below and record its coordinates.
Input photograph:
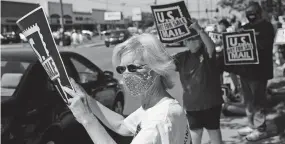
(93, 80)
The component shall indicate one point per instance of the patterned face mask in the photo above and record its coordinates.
(137, 84)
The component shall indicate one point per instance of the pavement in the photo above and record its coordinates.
(95, 51)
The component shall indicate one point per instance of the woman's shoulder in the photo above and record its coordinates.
(175, 108)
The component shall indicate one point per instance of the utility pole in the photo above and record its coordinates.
(106, 5)
(198, 9)
(62, 21)
(211, 2)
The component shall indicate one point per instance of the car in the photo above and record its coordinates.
(31, 108)
(116, 36)
(4, 39)
(88, 32)
(12, 37)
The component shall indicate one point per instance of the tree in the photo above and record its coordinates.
(238, 5)
(271, 6)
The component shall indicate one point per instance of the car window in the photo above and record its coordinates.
(11, 74)
(85, 74)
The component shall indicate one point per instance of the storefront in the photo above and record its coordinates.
(11, 12)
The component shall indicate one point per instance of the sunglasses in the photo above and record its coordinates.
(131, 68)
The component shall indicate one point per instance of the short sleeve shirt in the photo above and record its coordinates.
(200, 80)
(164, 123)
(264, 32)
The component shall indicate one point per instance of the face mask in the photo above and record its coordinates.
(251, 17)
(137, 84)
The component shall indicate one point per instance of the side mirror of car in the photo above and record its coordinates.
(108, 73)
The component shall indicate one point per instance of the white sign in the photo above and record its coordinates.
(112, 16)
(137, 14)
(280, 36)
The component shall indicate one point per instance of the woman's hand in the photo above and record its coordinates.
(195, 25)
(78, 104)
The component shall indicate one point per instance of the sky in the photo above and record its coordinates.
(126, 6)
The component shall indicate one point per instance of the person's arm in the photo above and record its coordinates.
(94, 129)
(210, 45)
(177, 60)
(97, 132)
(109, 118)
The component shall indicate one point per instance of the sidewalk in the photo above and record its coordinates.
(94, 42)
(230, 125)
(275, 120)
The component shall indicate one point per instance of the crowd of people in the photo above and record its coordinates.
(146, 69)
(73, 38)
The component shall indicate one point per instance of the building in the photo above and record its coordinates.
(83, 20)
(54, 13)
(71, 19)
(11, 12)
(98, 16)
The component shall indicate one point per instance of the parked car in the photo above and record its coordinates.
(116, 36)
(12, 37)
(88, 32)
(4, 39)
(31, 108)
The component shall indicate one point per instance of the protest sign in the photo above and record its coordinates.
(280, 37)
(36, 29)
(172, 22)
(216, 37)
(240, 48)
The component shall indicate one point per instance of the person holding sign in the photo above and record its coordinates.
(145, 66)
(254, 77)
(199, 75)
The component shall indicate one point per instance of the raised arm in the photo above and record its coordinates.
(210, 45)
(88, 106)
(94, 129)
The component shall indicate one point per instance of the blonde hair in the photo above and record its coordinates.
(152, 52)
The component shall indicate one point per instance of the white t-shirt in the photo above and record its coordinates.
(164, 123)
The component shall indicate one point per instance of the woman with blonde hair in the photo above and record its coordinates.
(145, 67)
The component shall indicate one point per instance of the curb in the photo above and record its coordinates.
(94, 45)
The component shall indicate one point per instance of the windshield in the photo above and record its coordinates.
(117, 33)
(11, 74)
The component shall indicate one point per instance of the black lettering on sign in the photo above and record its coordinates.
(240, 47)
(173, 32)
(172, 23)
(166, 16)
(240, 55)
